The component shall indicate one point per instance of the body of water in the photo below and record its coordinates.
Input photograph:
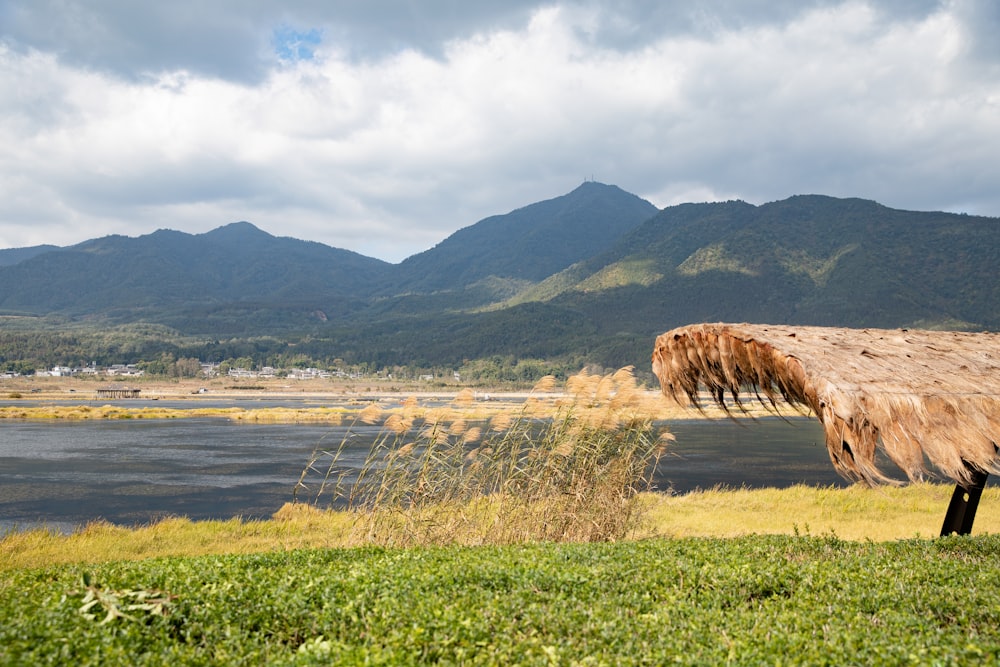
(66, 473)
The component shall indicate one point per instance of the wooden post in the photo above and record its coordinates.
(964, 503)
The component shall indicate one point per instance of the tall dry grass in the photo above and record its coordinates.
(565, 467)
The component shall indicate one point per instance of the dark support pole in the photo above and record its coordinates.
(964, 502)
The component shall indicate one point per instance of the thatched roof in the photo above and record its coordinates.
(918, 395)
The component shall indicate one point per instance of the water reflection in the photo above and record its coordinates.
(64, 474)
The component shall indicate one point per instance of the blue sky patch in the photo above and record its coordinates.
(293, 45)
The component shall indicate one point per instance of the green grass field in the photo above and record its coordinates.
(704, 601)
(706, 585)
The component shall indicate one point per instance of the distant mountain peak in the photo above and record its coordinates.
(238, 229)
(595, 186)
(529, 243)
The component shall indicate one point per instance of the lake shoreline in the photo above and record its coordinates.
(56, 398)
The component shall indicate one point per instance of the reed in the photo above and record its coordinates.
(565, 467)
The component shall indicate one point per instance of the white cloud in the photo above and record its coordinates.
(388, 153)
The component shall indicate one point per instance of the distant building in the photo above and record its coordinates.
(127, 370)
(308, 374)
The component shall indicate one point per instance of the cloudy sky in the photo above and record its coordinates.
(385, 125)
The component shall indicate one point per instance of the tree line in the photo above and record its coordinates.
(161, 355)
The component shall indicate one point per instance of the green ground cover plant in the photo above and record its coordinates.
(748, 600)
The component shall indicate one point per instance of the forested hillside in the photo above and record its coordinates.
(526, 245)
(589, 277)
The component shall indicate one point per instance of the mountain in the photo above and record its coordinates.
(804, 260)
(238, 277)
(172, 277)
(528, 244)
(591, 276)
(17, 255)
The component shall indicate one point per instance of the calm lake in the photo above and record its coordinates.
(64, 474)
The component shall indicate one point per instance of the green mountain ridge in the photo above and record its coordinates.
(529, 243)
(12, 256)
(166, 276)
(591, 276)
(806, 260)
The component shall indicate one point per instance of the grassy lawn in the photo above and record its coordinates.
(748, 600)
(846, 581)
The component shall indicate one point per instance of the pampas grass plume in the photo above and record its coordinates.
(370, 415)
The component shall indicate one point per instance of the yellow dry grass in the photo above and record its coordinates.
(344, 414)
(563, 466)
(293, 527)
(331, 415)
(854, 513)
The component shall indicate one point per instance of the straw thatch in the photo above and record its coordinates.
(918, 395)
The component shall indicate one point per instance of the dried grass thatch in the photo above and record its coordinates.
(919, 395)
